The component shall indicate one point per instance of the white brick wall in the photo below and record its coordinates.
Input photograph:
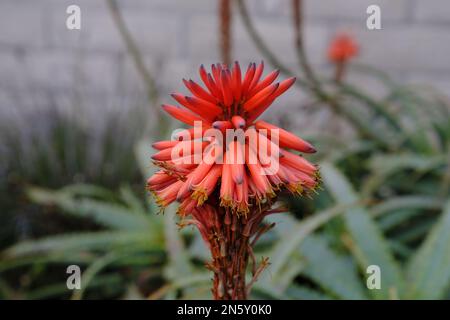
(403, 48)
(36, 50)
(393, 10)
(21, 24)
(10, 68)
(433, 11)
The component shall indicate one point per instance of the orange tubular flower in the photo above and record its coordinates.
(342, 49)
(227, 185)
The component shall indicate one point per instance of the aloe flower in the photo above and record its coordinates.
(228, 168)
(342, 48)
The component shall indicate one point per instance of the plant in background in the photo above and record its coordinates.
(341, 50)
(387, 185)
(62, 148)
(234, 186)
(225, 30)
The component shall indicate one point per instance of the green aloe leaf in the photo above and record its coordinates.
(291, 241)
(297, 292)
(369, 242)
(386, 163)
(335, 273)
(418, 128)
(50, 258)
(406, 202)
(380, 108)
(90, 190)
(113, 281)
(384, 166)
(136, 205)
(429, 270)
(92, 271)
(396, 218)
(179, 264)
(181, 283)
(105, 240)
(105, 213)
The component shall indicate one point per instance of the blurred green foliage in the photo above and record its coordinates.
(53, 147)
(73, 193)
(385, 201)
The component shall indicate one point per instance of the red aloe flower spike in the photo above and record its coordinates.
(216, 71)
(163, 155)
(236, 156)
(199, 92)
(260, 98)
(236, 81)
(187, 148)
(305, 179)
(208, 81)
(227, 201)
(168, 195)
(184, 191)
(264, 83)
(181, 114)
(258, 72)
(256, 112)
(206, 109)
(211, 154)
(204, 189)
(200, 172)
(177, 151)
(284, 86)
(188, 206)
(216, 91)
(297, 162)
(238, 122)
(287, 139)
(342, 48)
(248, 78)
(189, 134)
(242, 193)
(203, 74)
(225, 78)
(179, 162)
(181, 99)
(222, 125)
(199, 109)
(227, 185)
(259, 150)
(282, 174)
(255, 168)
(161, 145)
(266, 145)
(160, 178)
(273, 178)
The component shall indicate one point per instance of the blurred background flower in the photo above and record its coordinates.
(75, 106)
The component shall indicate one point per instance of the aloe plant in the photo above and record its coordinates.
(385, 203)
(131, 231)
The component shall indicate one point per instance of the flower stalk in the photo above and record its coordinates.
(341, 50)
(231, 239)
(225, 30)
(227, 170)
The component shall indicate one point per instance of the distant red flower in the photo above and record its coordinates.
(342, 49)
